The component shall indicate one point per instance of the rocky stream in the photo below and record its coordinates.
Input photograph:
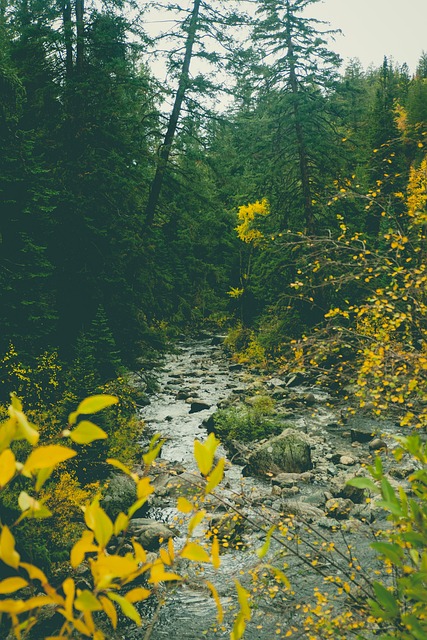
(330, 523)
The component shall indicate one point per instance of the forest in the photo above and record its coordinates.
(264, 193)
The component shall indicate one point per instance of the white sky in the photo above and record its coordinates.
(375, 28)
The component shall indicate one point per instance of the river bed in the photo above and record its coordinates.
(200, 371)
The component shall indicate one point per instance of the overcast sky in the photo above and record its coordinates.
(374, 28)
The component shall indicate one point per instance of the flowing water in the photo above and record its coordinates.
(199, 369)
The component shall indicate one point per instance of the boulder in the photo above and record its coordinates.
(198, 405)
(150, 533)
(339, 508)
(287, 452)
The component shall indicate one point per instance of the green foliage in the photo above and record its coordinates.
(247, 424)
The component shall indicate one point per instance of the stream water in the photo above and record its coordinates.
(199, 369)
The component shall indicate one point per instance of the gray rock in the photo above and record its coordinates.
(339, 508)
(290, 479)
(288, 452)
(150, 533)
(376, 444)
(198, 405)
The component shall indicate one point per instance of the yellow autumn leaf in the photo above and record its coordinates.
(82, 546)
(86, 432)
(204, 453)
(86, 601)
(184, 505)
(215, 476)
(7, 548)
(109, 609)
(24, 430)
(7, 433)
(32, 508)
(96, 403)
(144, 488)
(103, 528)
(106, 568)
(42, 476)
(10, 585)
(152, 454)
(243, 597)
(122, 467)
(216, 562)
(47, 456)
(196, 520)
(69, 589)
(220, 616)
(34, 573)
(262, 551)
(121, 523)
(140, 553)
(158, 573)
(7, 467)
(193, 551)
(127, 607)
(138, 594)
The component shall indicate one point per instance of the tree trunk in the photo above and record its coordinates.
(68, 36)
(165, 149)
(80, 34)
(299, 133)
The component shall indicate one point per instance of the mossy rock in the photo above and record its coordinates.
(288, 452)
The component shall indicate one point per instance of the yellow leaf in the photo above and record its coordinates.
(171, 549)
(138, 594)
(82, 546)
(34, 573)
(47, 456)
(127, 607)
(86, 432)
(7, 548)
(158, 573)
(144, 488)
(42, 476)
(32, 508)
(184, 505)
(243, 597)
(193, 551)
(96, 403)
(216, 562)
(215, 596)
(196, 520)
(103, 528)
(152, 454)
(280, 574)
(69, 589)
(10, 585)
(7, 467)
(215, 476)
(140, 552)
(7, 433)
(24, 430)
(86, 601)
(165, 557)
(262, 551)
(122, 467)
(204, 453)
(106, 568)
(110, 610)
(121, 523)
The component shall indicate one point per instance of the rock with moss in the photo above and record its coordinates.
(288, 452)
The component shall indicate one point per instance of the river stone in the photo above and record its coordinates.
(288, 452)
(198, 405)
(150, 533)
(290, 479)
(376, 444)
(339, 508)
